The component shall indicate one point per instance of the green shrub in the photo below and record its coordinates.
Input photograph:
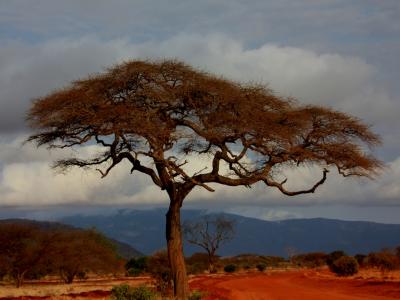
(344, 266)
(247, 267)
(120, 292)
(273, 261)
(333, 256)
(136, 266)
(197, 268)
(261, 267)
(230, 268)
(311, 260)
(126, 292)
(196, 295)
(134, 272)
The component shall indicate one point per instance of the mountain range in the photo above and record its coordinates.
(145, 230)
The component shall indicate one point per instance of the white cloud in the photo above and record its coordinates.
(29, 180)
(345, 83)
(268, 214)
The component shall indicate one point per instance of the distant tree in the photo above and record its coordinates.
(310, 260)
(385, 261)
(261, 267)
(160, 270)
(361, 258)
(136, 266)
(80, 251)
(23, 249)
(197, 263)
(230, 268)
(291, 252)
(344, 266)
(154, 114)
(209, 233)
(333, 256)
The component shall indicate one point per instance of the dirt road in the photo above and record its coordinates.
(296, 286)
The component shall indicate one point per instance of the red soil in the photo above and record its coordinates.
(98, 294)
(294, 285)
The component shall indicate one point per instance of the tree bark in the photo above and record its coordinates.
(175, 251)
(19, 279)
(211, 266)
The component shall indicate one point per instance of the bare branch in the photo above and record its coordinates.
(288, 193)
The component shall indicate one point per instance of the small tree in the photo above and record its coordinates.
(333, 256)
(160, 270)
(230, 268)
(209, 233)
(80, 251)
(261, 267)
(361, 258)
(136, 266)
(397, 250)
(310, 260)
(154, 114)
(344, 266)
(385, 261)
(23, 249)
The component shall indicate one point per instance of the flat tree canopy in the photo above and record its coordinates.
(154, 113)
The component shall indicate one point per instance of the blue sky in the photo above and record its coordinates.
(343, 54)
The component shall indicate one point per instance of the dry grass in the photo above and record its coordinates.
(58, 289)
(364, 274)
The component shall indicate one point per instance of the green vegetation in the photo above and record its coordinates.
(261, 267)
(385, 261)
(126, 292)
(196, 295)
(136, 266)
(310, 260)
(230, 268)
(333, 256)
(345, 266)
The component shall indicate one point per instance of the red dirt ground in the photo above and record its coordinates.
(290, 285)
(296, 285)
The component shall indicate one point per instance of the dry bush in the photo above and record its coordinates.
(385, 261)
(159, 268)
(310, 260)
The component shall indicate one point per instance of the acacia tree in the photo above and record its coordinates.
(209, 233)
(158, 115)
(22, 249)
(81, 251)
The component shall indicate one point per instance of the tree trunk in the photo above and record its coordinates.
(211, 266)
(19, 279)
(175, 251)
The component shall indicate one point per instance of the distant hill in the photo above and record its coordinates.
(145, 229)
(123, 249)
